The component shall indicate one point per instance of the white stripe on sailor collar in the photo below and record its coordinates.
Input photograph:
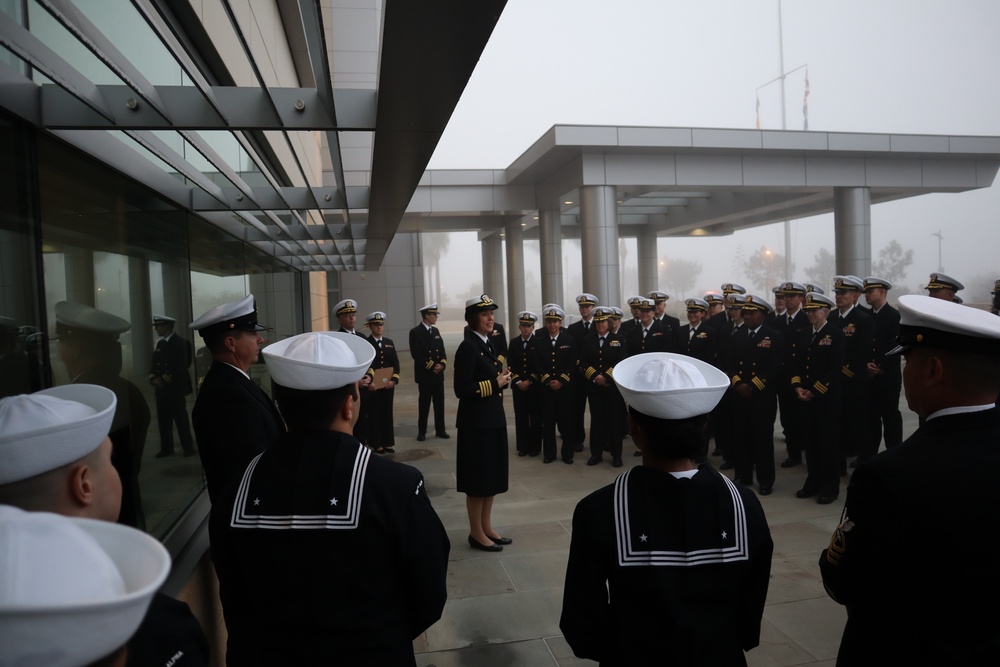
(629, 556)
(345, 516)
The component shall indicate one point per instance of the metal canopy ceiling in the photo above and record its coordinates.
(697, 181)
(61, 71)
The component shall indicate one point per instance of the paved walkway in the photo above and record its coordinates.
(504, 609)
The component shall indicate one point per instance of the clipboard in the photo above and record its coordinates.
(381, 378)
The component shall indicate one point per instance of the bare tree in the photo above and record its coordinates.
(892, 262)
(764, 269)
(680, 275)
(823, 270)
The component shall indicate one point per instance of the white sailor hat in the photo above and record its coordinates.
(941, 281)
(345, 306)
(733, 288)
(713, 298)
(233, 316)
(554, 312)
(633, 301)
(617, 313)
(755, 302)
(526, 317)
(77, 319)
(848, 284)
(791, 287)
(871, 282)
(696, 304)
(815, 300)
(810, 287)
(318, 360)
(586, 300)
(429, 309)
(601, 314)
(377, 317)
(658, 296)
(163, 319)
(72, 590)
(670, 386)
(928, 322)
(645, 303)
(996, 287)
(42, 431)
(776, 291)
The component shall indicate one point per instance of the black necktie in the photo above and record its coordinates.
(602, 342)
(586, 326)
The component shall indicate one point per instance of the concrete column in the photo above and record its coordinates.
(599, 243)
(141, 316)
(550, 256)
(493, 273)
(79, 267)
(514, 241)
(649, 272)
(852, 224)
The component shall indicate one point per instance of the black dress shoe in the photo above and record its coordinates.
(162, 454)
(717, 452)
(501, 540)
(594, 460)
(443, 436)
(533, 453)
(727, 465)
(567, 461)
(637, 453)
(826, 500)
(522, 453)
(765, 490)
(804, 493)
(791, 463)
(421, 437)
(617, 462)
(483, 547)
(547, 460)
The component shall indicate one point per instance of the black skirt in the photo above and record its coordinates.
(481, 465)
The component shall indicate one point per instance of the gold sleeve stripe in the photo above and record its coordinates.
(502, 359)
(820, 387)
(736, 380)
(611, 372)
(847, 371)
(757, 382)
(565, 377)
(589, 373)
(796, 379)
(430, 364)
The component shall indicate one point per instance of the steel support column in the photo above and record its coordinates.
(649, 273)
(514, 241)
(599, 242)
(550, 255)
(492, 248)
(852, 224)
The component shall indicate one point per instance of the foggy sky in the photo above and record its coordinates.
(901, 66)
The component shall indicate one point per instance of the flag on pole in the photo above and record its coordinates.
(805, 104)
(758, 112)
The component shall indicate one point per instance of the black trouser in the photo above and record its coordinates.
(431, 390)
(557, 411)
(171, 407)
(723, 422)
(380, 427)
(528, 419)
(855, 433)
(822, 443)
(884, 417)
(607, 410)
(577, 432)
(753, 437)
(791, 422)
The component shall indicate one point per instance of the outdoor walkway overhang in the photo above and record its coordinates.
(695, 181)
(378, 82)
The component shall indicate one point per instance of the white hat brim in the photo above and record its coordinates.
(311, 375)
(78, 634)
(671, 403)
(47, 448)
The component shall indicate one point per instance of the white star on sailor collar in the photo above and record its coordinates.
(333, 502)
(256, 501)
